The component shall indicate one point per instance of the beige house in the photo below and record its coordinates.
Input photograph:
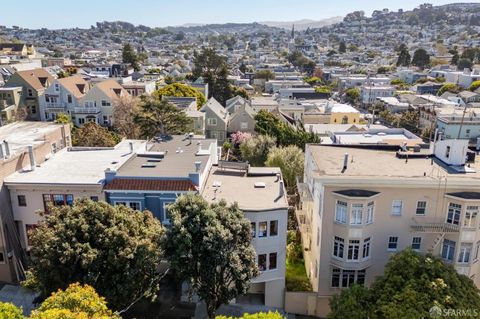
(34, 83)
(45, 139)
(359, 206)
(10, 98)
(97, 104)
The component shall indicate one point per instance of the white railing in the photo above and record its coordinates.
(87, 110)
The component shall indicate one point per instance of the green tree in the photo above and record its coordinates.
(114, 249)
(180, 90)
(410, 120)
(240, 91)
(449, 87)
(342, 48)
(421, 58)
(93, 135)
(10, 311)
(258, 315)
(404, 58)
(352, 95)
(160, 117)
(290, 159)
(76, 302)
(63, 118)
(464, 64)
(255, 149)
(455, 56)
(124, 110)
(410, 286)
(313, 80)
(129, 55)
(209, 246)
(474, 86)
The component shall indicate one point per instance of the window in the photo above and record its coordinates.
(392, 243)
(470, 220)
(353, 250)
(348, 278)
(57, 200)
(370, 209)
(57, 87)
(30, 228)
(81, 121)
(366, 248)
(448, 249)
(421, 208)
(262, 229)
(166, 215)
(272, 261)
(30, 92)
(453, 216)
(274, 228)
(212, 122)
(447, 152)
(338, 247)
(244, 125)
(22, 200)
(341, 212)
(336, 272)
(94, 198)
(464, 255)
(356, 214)
(262, 262)
(397, 207)
(105, 103)
(416, 243)
(361, 277)
(318, 236)
(69, 99)
(2, 257)
(477, 250)
(253, 229)
(134, 205)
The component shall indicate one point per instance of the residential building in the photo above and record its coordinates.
(370, 94)
(34, 83)
(260, 194)
(216, 120)
(20, 139)
(10, 98)
(242, 120)
(360, 205)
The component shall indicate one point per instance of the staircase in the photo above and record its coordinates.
(436, 242)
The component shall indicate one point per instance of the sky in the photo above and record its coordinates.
(55, 14)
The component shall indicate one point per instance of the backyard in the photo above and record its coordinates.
(296, 277)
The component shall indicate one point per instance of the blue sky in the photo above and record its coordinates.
(69, 13)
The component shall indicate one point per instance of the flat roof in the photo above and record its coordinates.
(240, 188)
(174, 156)
(381, 164)
(77, 165)
(20, 135)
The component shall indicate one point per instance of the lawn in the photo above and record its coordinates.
(296, 277)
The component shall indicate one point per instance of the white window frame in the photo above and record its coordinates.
(421, 203)
(353, 246)
(366, 248)
(341, 212)
(417, 241)
(338, 246)
(391, 241)
(454, 213)
(166, 221)
(212, 121)
(397, 207)
(449, 246)
(471, 215)
(356, 213)
(370, 212)
(244, 125)
(129, 203)
(465, 253)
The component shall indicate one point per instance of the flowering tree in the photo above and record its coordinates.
(240, 137)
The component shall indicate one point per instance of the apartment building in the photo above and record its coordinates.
(358, 206)
(260, 194)
(68, 175)
(21, 142)
(370, 94)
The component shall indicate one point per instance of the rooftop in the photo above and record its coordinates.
(257, 191)
(77, 165)
(20, 135)
(173, 156)
(384, 165)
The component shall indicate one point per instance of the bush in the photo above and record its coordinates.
(258, 315)
(10, 311)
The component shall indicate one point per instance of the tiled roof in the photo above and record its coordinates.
(150, 185)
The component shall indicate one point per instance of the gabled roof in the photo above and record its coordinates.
(37, 78)
(75, 85)
(111, 88)
(244, 108)
(214, 106)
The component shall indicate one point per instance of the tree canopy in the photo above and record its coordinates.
(129, 55)
(265, 75)
(160, 117)
(255, 149)
(449, 87)
(114, 249)
(76, 302)
(180, 90)
(269, 124)
(92, 134)
(421, 58)
(209, 246)
(353, 95)
(10, 311)
(411, 285)
(404, 58)
(474, 86)
(290, 160)
(258, 315)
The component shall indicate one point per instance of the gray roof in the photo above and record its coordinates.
(216, 108)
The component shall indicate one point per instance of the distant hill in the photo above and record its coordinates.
(303, 24)
(227, 28)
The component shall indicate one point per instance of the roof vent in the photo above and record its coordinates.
(382, 133)
(260, 185)
(149, 165)
(217, 183)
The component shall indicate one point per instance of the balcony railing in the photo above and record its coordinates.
(55, 107)
(87, 110)
(433, 225)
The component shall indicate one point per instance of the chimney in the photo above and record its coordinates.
(278, 178)
(282, 191)
(345, 161)
(32, 158)
(109, 175)
(7, 149)
(130, 144)
(197, 166)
